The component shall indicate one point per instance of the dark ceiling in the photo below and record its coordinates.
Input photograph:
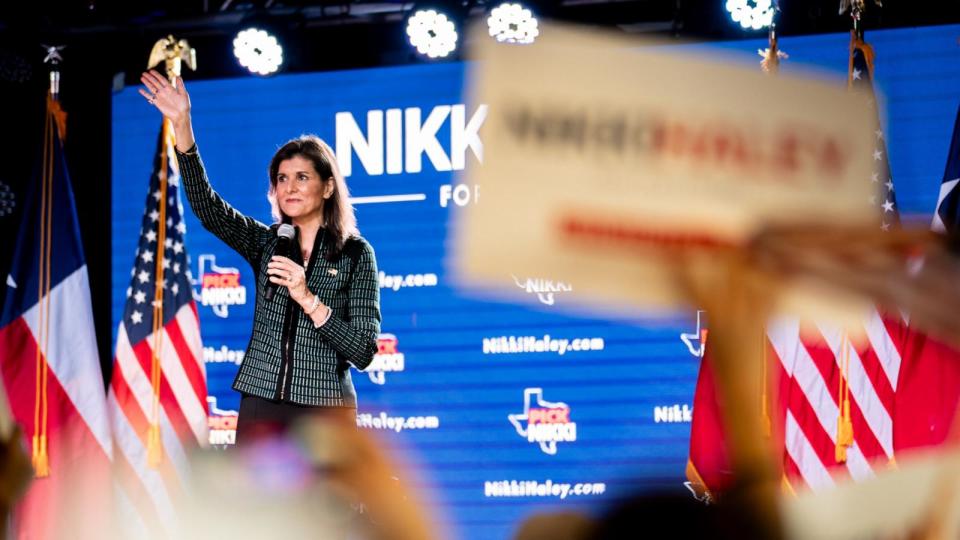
(325, 35)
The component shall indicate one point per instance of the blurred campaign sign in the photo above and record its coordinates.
(916, 498)
(601, 159)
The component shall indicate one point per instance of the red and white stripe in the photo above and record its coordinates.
(809, 359)
(153, 493)
(74, 499)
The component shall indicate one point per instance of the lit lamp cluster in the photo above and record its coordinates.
(258, 51)
(512, 23)
(432, 33)
(751, 14)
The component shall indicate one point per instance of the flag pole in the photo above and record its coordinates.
(54, 118)
(53, 58)
(770, 65)
(857, 8)
(845, 438)
(173, 53)
(772, 54)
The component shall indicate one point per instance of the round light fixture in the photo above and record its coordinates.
(751, 14)
(258, 51)
(432, 33)
(512, 23)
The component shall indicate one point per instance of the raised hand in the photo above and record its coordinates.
(172, 99)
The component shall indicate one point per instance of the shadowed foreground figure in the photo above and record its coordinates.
(653, 515)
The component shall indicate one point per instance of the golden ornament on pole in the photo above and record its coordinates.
(173, 53)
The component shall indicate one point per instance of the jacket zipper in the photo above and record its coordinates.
(291, 318)
(286, 365)
(286, 354)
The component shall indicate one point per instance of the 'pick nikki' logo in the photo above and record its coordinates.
(544, 422)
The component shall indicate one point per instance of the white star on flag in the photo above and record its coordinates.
(877, 155)
(154, 215)
(136, 317)
(177, 247)
(140, 297)
(143, 276)
(888, 206)
(182, 227)
(147, 256)
(856, 74)
(175, 289)
(151, 236)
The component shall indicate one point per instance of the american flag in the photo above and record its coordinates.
(861, 79)
(837, 387)
(159, 381)
(826, 371)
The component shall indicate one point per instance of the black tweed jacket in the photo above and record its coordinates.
(288, 359)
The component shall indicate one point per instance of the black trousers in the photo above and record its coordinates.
(266, 421)
(264, 418)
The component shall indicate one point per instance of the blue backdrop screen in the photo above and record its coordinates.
(506, 409)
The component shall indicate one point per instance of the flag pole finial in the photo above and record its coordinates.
(53, 58)
(173, 53)
(772, 54)
(857, 8)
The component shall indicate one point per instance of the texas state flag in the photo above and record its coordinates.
(49, 362)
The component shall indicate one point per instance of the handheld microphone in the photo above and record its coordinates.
(285, 234)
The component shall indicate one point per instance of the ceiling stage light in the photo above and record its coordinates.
(258, 51)
(432, 33)
(751, 14)
(512, 23)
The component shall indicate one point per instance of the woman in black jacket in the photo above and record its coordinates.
(325, 314)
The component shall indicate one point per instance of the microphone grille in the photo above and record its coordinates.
(286, 231)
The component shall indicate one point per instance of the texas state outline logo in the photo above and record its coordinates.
(544, 422)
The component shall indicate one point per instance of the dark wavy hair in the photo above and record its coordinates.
(338, 216)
